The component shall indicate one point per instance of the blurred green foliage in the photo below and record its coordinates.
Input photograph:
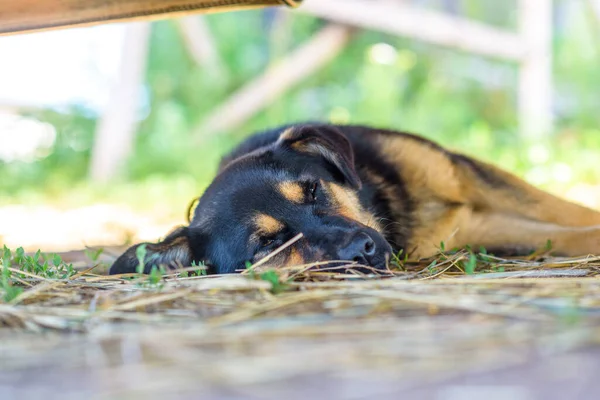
(462, 101)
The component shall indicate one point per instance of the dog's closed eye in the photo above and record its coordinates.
(313, 188)
(268, 242)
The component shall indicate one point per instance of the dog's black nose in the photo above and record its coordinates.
(361, 248)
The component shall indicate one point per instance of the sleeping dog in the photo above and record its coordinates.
(359, 195)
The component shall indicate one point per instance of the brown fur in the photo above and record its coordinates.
(294, 258)
(455, 205)
(349, 206)
(267, 225)
(292, 191)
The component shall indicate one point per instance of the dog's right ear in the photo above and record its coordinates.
(173, 252)
(327, 142)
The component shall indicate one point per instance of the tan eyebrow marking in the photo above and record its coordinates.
(267, 225)
(292, 191)
(348, 205)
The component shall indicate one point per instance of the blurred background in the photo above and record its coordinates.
(107, 133)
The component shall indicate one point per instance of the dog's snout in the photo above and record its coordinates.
(361, 248)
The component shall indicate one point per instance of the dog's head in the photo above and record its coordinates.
(305, 182)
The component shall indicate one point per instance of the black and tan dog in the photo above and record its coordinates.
(359, 194)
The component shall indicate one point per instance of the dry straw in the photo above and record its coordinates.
(409, 322)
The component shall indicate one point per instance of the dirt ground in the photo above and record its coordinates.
(230, 338)
(179, 363)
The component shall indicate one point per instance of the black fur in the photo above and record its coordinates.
(219, 230)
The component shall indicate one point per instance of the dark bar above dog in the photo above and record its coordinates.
(38, 15)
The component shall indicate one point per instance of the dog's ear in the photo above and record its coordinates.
(173, 252)
(325, 141)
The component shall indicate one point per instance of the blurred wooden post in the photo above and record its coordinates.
(115, 133)
(594, 8)
(595, 5)
(531, 47)
(403, 19)
(200, 42)
(535, 75)
(275, 81)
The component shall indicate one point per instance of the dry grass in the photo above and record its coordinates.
(262, 332)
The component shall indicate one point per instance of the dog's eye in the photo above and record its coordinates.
(313, 191)
(269, 242)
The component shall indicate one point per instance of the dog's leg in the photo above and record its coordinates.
(459, 226)
(496, 231)
(488, 188)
